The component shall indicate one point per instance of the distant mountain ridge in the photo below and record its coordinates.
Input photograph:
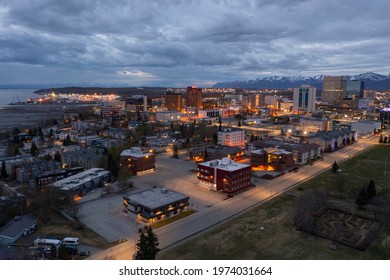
(372, 81)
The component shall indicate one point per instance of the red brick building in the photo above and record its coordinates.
(224, 175)
(272, 159)
(135, 161)
(173, 101)
(194, 97)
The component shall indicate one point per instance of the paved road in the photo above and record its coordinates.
(189, 226)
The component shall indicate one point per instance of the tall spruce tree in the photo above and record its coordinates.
(34, 149)
(335, 167)
(362, 198)
(57, 156)
(4, 173)
(371, 191)
(147, 245)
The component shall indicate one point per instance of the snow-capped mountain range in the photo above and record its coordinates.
(372, 81)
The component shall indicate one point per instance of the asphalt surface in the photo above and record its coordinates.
(223, 210)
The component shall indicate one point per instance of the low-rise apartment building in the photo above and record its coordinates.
(272, 159)
(231, 137)
(136, 161)
(224, 175)
(156, 204)
(302, 152)
(82, 183)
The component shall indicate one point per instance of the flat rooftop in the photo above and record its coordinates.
(80, 178)
(135, 152)
(155, 198)
(224, 164)
(271, 150)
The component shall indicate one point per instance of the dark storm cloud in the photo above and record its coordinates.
(177, 42)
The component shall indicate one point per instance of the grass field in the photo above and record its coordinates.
(268, 232)
(60, 227)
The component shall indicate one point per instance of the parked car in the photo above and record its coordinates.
(84, 253)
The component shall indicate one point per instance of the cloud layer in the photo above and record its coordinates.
(178, 43)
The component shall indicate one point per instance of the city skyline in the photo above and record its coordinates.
(176, 44)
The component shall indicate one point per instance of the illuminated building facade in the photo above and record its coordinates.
(194, 97)
(173, 101)
(156, 204)
(224, 175)
(333, 88)
(304, 100)
(384, 116)
(135, 161)
(272, 159)
(314, 124)
(78, 185)
(231, 137)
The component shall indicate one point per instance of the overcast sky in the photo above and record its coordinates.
(180, 43)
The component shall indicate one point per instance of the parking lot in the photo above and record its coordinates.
(106, 217)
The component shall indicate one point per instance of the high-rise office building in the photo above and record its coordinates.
(333, 88)
(173, 101)
(194, 97)
(354, 90)
(304, 100)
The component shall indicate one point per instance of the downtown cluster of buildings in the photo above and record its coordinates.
(230, 134)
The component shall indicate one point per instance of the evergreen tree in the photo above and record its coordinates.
(16, 151)
(329, 148)
(141, 246)
(371, 191)
(16, 131)
(215, 138)
(220, 123)
(335, 167)
(362, 198)
(336, 145)
(175, 151)
(34, 149)
(381, 139)
(4, 173)
(16, 139)
(147, 245)
(48, 157)
(40, 132)
(57, 156)
(112, 165)
(239, 123)
(67, 141)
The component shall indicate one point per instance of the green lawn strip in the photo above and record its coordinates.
(242, 238)
(173, 219)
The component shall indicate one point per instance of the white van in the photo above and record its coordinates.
(71, 242)
(47, 243)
